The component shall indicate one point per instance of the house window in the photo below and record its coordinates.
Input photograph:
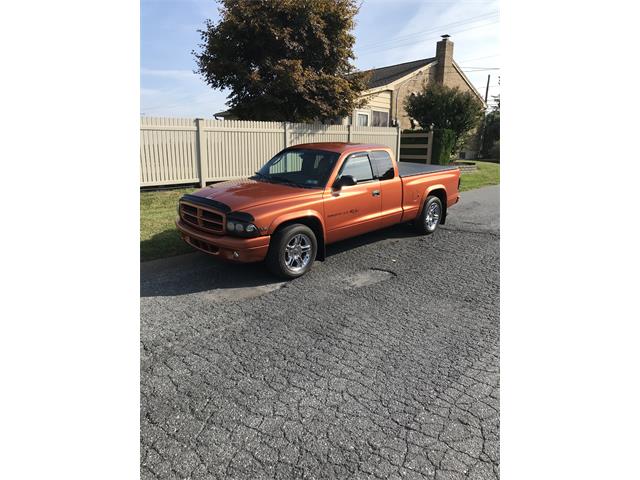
(362, 120)
(380, 119)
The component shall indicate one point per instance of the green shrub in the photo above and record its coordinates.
(494, 152)
(446, 107)
(444, 140)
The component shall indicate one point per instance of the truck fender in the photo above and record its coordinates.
(427, 192)
(302, 215)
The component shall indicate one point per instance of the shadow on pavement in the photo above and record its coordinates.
(402, 230)
(198, 272)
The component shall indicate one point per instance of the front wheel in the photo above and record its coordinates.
(292, 251)
(430, 217)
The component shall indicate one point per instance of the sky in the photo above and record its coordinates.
(387, 32)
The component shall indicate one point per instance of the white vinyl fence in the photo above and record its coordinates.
(185, 150)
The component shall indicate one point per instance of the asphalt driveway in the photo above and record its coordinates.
(382, 362)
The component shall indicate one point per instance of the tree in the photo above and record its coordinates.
(446, 107)
(491, 139)
(283, 60)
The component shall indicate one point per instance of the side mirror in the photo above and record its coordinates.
(344, 181)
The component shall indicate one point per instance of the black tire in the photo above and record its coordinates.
(429, 219)
(279, 259)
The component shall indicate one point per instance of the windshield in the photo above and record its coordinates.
(299, 167)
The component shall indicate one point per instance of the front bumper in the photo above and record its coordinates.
(225, 246)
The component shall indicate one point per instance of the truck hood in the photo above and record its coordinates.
(240, 195)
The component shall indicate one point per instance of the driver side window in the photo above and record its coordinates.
(359, 167)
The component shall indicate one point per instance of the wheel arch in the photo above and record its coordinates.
(311, 220)
(438, 191)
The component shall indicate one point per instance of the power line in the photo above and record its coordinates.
(479, 58)
(414, 40)
(434, 38)
(411, 36)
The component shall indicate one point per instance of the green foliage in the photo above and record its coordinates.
(491, 138)
(494, 151)
(283, 60)
(446, 108)
(444, 140)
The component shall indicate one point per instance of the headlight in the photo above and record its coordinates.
(241, 229)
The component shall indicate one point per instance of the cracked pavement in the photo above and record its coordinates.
(381, 362)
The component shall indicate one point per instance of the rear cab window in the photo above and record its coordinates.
(382, 164)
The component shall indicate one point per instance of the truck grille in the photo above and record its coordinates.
(201, 218)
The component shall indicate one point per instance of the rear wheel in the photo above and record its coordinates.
(292, 251)
(430, 217)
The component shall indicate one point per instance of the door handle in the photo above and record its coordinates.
(376, 193)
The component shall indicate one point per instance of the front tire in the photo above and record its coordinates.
(292, 251)
(430, 217)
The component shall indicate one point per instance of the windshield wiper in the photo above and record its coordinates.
(283, 180)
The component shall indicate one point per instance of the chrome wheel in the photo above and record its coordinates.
(433, 216)
(297, 252)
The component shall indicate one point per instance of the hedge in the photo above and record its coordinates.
(443, 141)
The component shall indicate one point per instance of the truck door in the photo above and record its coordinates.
(390, 187)
(354, 209)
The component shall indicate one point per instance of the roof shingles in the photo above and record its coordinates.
(386, 75)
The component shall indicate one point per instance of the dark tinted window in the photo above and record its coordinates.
(380, 119)
(358, 167)
(383, 164)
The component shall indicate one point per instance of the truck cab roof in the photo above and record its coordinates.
(340, 147)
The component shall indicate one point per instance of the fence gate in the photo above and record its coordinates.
(416, 146)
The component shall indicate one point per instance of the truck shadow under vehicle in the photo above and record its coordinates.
(198, 272)
(401, 230)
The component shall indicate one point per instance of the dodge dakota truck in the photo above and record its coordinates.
(309, 196)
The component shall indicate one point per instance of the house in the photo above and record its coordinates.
(390, 86)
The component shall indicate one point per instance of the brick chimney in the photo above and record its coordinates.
(444, 57)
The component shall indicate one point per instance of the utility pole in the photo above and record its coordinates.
(484, 119)
(486, 92)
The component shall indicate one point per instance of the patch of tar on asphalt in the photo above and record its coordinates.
(368, 277)
(241, 293)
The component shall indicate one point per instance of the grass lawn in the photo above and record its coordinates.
(487, 174)
(159, 237)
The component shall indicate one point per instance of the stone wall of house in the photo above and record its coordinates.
(416, 84)
(443, 71)
(404, 90)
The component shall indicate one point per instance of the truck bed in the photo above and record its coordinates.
(409, 169)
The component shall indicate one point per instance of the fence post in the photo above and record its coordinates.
(429, 143)
(398, 143)
(286, 134)
(349, 133)
(201, 149)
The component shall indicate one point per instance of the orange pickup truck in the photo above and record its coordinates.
(309, 196)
